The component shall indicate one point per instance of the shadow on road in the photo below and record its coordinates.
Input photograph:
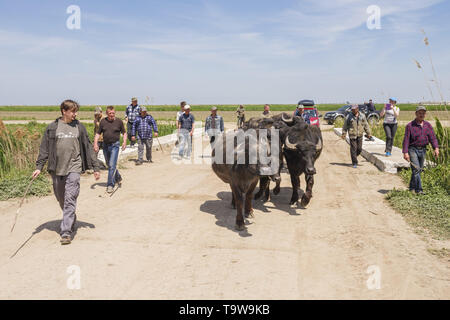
(341, 164)
(225, 215)
(99, 184)
(279, 201)
(54, 225)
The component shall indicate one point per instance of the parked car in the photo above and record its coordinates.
(342, 112)
(311, 111)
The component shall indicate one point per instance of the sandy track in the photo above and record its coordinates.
(168, 233)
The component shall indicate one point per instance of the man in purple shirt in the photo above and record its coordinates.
(418, 134)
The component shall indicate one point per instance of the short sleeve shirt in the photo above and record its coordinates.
(111, 130)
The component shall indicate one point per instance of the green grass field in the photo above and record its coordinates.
(222, 107)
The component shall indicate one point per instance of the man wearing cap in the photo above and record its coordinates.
(240, 112)
(300, 112)
(214, 125)
(186, 130)
(418, 134)
(143, 126)
(355, 123)
(371, 106)
(131, 113)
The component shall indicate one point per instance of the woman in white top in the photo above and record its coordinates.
(390, 113)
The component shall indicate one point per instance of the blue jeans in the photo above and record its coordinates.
(417, 156)
(185, 143)
(111, 153)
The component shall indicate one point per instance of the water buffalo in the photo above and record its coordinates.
(302, 147)
(242, 176)
(282, 122)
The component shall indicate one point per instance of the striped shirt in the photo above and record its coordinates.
(417, 135)
(132, 112)
(144, 126)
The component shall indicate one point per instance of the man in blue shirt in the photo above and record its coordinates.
(214, 125)
(131, 113)
(186, 130)
(300, 112)
(143, 126)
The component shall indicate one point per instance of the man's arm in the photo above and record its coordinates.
(97, 136)
(124, 134)
(344, 128)
(406, 138)
(155, 126)
(433, 140)
(91, 158)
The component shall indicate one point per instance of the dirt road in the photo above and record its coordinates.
(168, 233)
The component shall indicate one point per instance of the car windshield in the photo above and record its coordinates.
(343, 108)
(311, 112)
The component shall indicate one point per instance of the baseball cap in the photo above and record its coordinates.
(300, 106)
(393, 99)
(133, 99)
(213, 108)
(421, 108)
(143, 108)
(354, 106)
(187, 107)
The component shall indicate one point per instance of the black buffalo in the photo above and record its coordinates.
(282, 122)
(302, 146)
(242, 177)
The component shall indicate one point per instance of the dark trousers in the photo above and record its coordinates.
(417, 156)
(355, 149)
(67, 189)
(129, 127)
(389, 129)
(147, 143)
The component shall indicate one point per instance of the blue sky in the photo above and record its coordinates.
(211, 52)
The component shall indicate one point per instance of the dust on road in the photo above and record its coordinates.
(168, 233)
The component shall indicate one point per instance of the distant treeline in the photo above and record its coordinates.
(227, 107)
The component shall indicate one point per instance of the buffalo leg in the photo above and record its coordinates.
(239, 206)
(276, 190)
(295, 185)
(233, 203)
(263, 187)
(308, 194)
(248, 201)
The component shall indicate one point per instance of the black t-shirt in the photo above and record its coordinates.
(111, 130)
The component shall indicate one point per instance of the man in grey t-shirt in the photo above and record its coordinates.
(66, 149)
(68, 157)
